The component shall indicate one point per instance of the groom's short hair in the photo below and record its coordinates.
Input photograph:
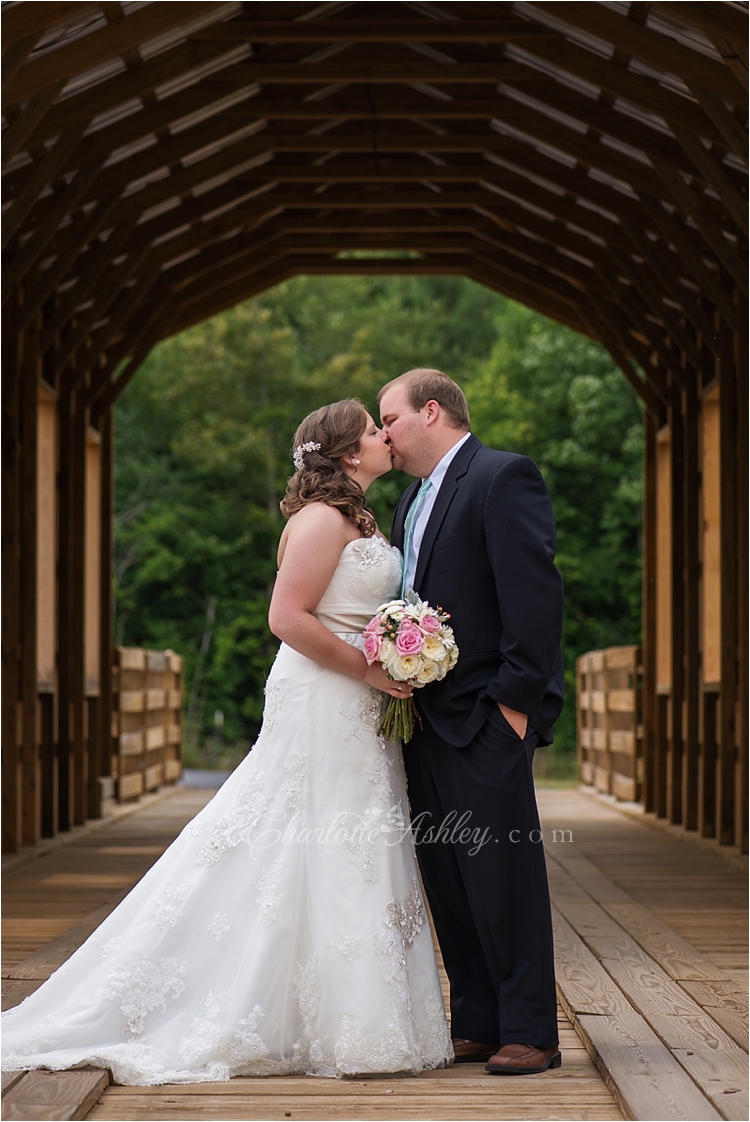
(423, 384)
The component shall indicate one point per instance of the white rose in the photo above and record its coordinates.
(403, 667)
(428, 672)
(387, 651)
(434, 648)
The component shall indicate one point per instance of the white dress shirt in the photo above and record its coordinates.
(436, 479)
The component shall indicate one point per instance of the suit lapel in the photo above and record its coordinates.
(458, 467)
(399, 518)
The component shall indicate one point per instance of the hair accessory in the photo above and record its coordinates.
(299, 453)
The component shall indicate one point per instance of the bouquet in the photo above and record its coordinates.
(414, 644)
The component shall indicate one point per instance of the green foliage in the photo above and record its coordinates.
(203, 453)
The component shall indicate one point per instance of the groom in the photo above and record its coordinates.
(478, 537)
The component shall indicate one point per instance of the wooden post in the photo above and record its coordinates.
(743, 668)
(676, 743)
(649, 610)
(11, 408)
(710, 591)
(78, 605)
(64, 604)
(106, 606)
(30, 778)
(691, 490)
(663, 617)
(728, 421)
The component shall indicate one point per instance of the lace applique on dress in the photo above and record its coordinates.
(197, 1045)
(365, 716)
(144, 988)
(379, 773)
(349, 946)
(269, 892)
(356, 1054)
(112, 947)
(360, 842)
(435, 1043)
(168, 904)
(219, 926)
(294, 790)
(307, 1050)
(272, 691)
(369, 552)
(403, 920)
(250, 804)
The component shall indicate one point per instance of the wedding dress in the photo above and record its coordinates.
(284, 931)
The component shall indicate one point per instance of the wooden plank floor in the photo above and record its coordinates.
(651, 939)
(50, 905)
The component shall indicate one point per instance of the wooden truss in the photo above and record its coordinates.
(162, 162)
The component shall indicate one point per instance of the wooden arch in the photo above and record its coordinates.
(164, 161)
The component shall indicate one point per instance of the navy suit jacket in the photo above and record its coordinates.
(487, 557)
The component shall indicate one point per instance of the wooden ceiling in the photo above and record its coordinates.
(164, 161)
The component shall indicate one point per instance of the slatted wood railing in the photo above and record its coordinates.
(147, 725)
(610, 733)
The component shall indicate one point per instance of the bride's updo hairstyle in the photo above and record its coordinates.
(321, 442)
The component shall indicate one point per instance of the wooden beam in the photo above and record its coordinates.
(724, 20)
(45, 283)
(649, 292)
(17, 133)
(361, 72)
(650, 45)
(92, 268)
(114, 284)
(603, 333)
(691, 203)
(654, 258)
(99, 46)
(15, 54)
(334, 30)
(41, 176)
(730, 128)
(133, 334)
(713, 173)
(735, 59)
(675, 232)
(619, 82)
(130, 299)
(66, 201)
(159, 329)
(22, 20)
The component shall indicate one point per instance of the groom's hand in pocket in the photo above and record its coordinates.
(519, 722)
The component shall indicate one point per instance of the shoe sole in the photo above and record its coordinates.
(553, 1062)
(479, 1058)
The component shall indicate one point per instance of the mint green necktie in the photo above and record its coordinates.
(411, 520)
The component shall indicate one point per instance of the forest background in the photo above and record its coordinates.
(204, 436)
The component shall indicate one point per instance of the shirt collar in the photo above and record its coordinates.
(438, 474)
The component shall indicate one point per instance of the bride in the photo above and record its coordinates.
(284, 931)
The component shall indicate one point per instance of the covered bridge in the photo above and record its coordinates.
(163, 161)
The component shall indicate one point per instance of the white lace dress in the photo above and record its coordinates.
(284, 931)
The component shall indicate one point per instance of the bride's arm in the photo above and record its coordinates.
(315, 537)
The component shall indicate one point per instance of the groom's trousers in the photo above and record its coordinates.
(481, 856)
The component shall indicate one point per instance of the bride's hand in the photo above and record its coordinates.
(378, 678)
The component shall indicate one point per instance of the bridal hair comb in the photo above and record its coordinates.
(299, 453)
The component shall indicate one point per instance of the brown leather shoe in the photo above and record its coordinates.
(471, 1051)
(523, 1059)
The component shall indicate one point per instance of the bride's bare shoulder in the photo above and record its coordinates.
(317, 523)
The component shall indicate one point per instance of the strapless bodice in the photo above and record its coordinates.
(367, 575)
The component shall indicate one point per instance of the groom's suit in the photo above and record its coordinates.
(486, 557)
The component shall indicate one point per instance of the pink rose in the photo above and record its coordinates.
(371, 647)
(375, 626)
(409, 640)
(430, 624)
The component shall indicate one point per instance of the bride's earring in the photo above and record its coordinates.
(356, 462)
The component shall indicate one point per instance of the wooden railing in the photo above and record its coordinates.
(610, 732)
(146, 720)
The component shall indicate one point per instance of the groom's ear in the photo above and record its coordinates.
(433, 412)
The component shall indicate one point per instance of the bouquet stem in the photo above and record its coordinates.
(399, 719)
